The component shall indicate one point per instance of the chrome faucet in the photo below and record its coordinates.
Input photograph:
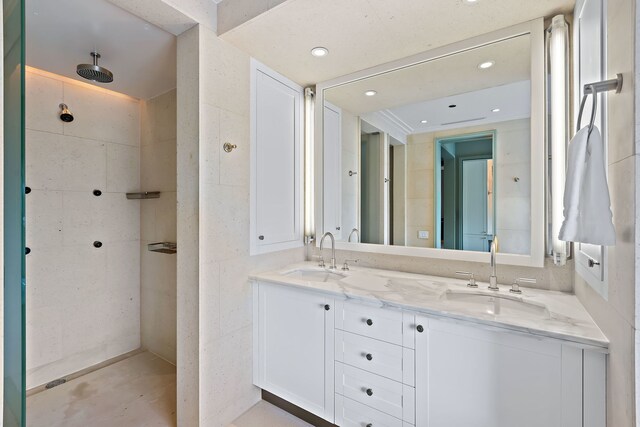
(356, 232)
(493, 279)
(332, 265)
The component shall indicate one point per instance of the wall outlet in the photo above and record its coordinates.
(423, 234)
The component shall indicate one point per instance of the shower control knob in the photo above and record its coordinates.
(97, 244)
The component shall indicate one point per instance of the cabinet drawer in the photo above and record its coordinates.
(379, 323)
(388, 396)
(350, 413)
(388, 360)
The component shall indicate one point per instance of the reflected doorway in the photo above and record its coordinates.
(465, 202)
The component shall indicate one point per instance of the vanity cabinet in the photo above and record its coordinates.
(356, 364)
(469, 376)
(276, 159)
(293, 344)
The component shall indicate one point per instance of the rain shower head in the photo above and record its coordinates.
(94, 72)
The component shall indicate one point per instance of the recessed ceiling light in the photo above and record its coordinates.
(370, 92)
(319, 51)
(423, 121)
(495, 110)
(471, 1)
(486, 64)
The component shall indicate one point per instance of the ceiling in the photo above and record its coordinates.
(363, 33)
(472, 109)
(439, 78)
(62, 33)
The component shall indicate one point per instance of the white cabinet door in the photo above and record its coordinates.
(294, 341)
(332, 170)
(471, 377)
(276, 159)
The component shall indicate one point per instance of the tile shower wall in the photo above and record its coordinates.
(158, 224)
(83, 302)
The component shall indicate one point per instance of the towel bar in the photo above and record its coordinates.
(594, 89)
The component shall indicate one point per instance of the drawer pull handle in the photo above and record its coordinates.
(420, 328)
(369, 322)
(369, 356)
(327, 307)
(369, 392)
(369, 425)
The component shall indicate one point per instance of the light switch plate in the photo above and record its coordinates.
(423, 234)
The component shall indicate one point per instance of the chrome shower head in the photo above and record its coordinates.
(94, 72)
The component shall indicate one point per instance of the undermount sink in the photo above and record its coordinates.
(315, 275)
(497, 305)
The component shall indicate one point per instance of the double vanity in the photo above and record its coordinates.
(370, 348)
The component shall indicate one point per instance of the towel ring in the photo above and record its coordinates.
(594, 107)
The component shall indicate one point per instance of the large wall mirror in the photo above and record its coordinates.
(438, 154)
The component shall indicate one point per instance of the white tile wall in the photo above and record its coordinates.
(83, 303)
(61, 162)
(158, 224)
(617, 315)
(220, 331)
(102, 116)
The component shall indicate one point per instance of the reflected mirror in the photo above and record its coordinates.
(433, 155)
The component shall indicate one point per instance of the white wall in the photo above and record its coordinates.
(158, 224)
(617, 315)
(399, 194)
(214, 295)
(83, 303)
(350, 162)
(226, 316)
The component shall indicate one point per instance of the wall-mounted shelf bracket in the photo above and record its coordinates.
(163, 247)
(144, 195)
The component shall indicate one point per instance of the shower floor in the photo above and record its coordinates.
(138, 391)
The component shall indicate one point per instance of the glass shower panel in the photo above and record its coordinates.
(14, 190)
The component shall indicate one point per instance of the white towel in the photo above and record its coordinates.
(587, 205)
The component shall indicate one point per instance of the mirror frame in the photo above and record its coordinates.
(535, 29)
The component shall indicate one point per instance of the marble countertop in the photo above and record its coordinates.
(537, 312)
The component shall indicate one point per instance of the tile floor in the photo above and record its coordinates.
(264, 414)
(139, 391)
(136, 392)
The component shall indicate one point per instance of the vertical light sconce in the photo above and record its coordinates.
(558, 114)
(309, 226)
